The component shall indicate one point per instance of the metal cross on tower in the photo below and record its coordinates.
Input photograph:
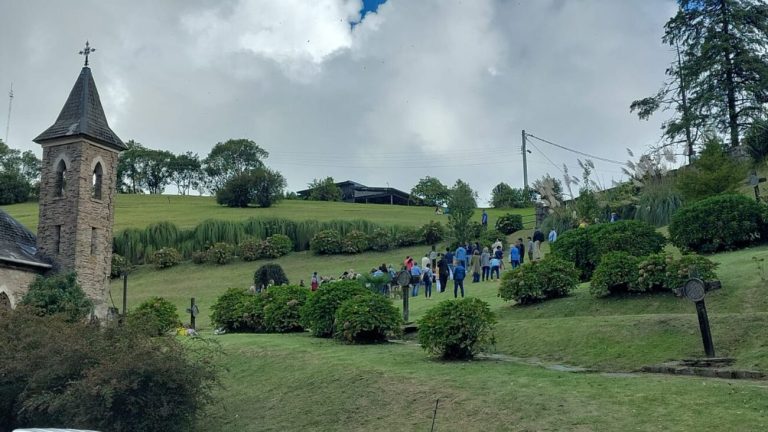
(86, 52)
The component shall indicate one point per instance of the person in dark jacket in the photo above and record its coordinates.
(521, 246)
(442, 271)
(459, 273)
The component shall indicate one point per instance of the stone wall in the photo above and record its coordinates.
(85, 241)
(14, 282)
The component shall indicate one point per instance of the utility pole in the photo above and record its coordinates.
(8, 122)
(525, 163)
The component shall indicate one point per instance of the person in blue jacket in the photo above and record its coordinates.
(461, 256)
(459, 273)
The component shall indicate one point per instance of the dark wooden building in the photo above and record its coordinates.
(354, 192)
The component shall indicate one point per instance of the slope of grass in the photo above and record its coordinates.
(295, 382)
(138, 211)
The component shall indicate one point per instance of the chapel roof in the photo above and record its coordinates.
(18, 244)
(82, 115)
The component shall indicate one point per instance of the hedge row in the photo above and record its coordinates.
(585, 246)
(138, 245)
(620, 272)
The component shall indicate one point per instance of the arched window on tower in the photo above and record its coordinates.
(61, 179)
(98, 173)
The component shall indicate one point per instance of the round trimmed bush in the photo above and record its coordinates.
(326, 242)
(237, 310)
(319, 313)
(120, 265)
(380, 239)
(585, 246)
(269, 273)
(457, 329)
(662, 272)
(282, 307)
(156, 314)
(509, 223)
(220, 253)
(166, 257)
(616, 273)
(724, 222)
(355, 242)
(536, 281)
(281, 244)
(250, 249)
(366, 318)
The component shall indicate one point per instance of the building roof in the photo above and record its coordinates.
(83, 115)
(17, 244)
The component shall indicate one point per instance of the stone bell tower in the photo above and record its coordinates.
(77, 189)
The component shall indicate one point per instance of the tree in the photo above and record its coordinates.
(720, 76)
(431, 191)
(185, 171)
(260, 186)
(157, 170)
(462, 202)
(324, 190)
(713, 173)
(129, 168)
(756, 140)
(505, 196)
(19, 174)
(230, 158)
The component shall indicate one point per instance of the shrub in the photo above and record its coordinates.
(282, 308)
(220, 253)
(616, 272)
(58, 294)
(326, 242)
(366, 318)
(354, 242)
(559, 220)
(407, 236)
(120, 265)
(237, 310)
(723, 222)
(281, 244)
(380, 240)
(319, 312)
(585, 246)
(157, 314)
(269, 273)
(250, 249)
(110, 379)
(432, 232)
(457, 329)
(166, 257)
(662, 272)
(509, 223)
(541, 280)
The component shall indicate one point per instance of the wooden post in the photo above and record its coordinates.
(125, 293)
(406, 296)
(192, 313)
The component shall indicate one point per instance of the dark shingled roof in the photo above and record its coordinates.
(83, 115)
(18, 244)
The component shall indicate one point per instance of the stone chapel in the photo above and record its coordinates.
(77, 191)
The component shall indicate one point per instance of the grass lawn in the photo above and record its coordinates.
(138, 211)
(296, 382)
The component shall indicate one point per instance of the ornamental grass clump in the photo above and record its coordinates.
(537, 281)
(457, 329)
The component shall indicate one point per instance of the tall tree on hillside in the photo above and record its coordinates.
(19, 174)
(462, 202)
(324, 190)
(157, 170)
(505, 196)
(432, 191)
(129, 168)
(185, 171)
(720, 81)
(230, 158)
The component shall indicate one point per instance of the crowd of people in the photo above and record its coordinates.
(435, 268)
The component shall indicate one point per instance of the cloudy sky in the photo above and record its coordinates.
(414, 88)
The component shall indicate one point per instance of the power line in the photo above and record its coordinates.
(577, 151)
(548, 159)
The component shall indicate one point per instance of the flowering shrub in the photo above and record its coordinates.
(549, 278)
(166, 257)
(457, 329)
(366, 318)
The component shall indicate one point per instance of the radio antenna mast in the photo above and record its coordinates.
(8, 122)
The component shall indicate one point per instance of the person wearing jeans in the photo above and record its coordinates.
(459, 272)
(415, 279)
(495, 264)
(426, 277)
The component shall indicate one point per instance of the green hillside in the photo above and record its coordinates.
(138, 211)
